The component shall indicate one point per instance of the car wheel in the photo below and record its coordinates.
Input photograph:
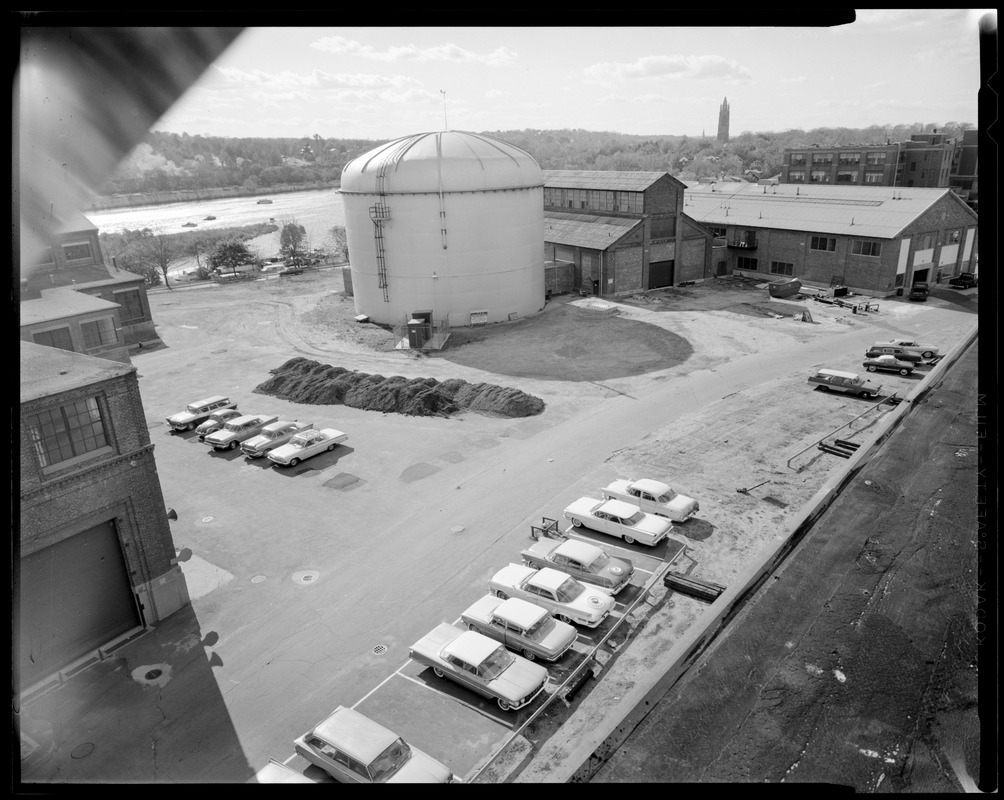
(472, 627)
(191, 425)
(293, 462)
(927, 354)
(904, 372)
(504, 705)
(330, 447)
(872, 369)
(577, 523)
(824, 387)
(629, 539)
(501, 595)
(232, 445)
(437, 672)
(528, 655)
(565, 618)
(868, 395)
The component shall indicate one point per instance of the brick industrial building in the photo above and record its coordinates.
(872, 240)
(94, 559)
(614, 233)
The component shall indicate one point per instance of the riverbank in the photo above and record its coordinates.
(105, 203)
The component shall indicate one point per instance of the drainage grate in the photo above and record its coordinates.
(82, 750)
(258, 579)
(153, 674)
(306, 576)
(380, 649)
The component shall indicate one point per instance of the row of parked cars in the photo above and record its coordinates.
(897, 355)
(286, 443)
(529, 614)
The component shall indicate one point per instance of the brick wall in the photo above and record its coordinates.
(626, 266)
(122, 485)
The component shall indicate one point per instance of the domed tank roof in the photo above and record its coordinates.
(445, 161)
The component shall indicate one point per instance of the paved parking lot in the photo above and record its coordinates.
(311, 583)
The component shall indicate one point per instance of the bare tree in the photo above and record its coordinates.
(163, 251)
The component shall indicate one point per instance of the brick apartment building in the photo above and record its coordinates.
(964, 176)
(94, 559)
(924, 161)
(614, 233)
(872, 240)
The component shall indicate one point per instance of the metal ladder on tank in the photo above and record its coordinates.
(379, 213)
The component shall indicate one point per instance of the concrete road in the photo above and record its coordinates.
(857, 665)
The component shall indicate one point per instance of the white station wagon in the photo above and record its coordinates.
(619, 518)
(562, 595)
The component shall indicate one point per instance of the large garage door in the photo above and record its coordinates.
(75, 596)
(660, 273)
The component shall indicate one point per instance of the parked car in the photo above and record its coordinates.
(272, 436)
(238, 430)
(653, 497)
(925, 350)
(352, 748)
(481, 664)
(568, 599)
(306, 444)
(893, 350)
(920, 291)
(890, 363)
(216, 421)
(583, 561)
(618, 518)
(198, 411)
(290, 271)
(834, 380)
(964, 280)
(277, 772)
(523, 627)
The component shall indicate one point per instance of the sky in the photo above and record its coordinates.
(889, 67)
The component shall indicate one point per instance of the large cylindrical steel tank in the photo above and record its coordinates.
(448, 222)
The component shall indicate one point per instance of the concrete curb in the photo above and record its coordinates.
(562, 760)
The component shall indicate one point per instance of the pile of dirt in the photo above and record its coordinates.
(301, 380)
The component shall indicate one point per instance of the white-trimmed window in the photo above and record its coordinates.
(56, 337)
(782, 268)
(875, 159)
(873, 178)
(827, 243)
(819, 176)
(78, 251)
(796, 176)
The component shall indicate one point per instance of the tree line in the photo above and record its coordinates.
(170, 161)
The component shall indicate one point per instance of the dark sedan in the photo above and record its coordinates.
(889, 363)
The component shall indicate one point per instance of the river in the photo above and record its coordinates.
(317, 211)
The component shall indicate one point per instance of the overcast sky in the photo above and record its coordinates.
(889, 67)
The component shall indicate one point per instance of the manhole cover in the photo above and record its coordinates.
(207, 519)
(82, 750)
(380, 649)
(153, 674)
(258, 579)
(306, 576)
(457, 529)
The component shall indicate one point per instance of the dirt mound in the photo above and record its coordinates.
(302, 380)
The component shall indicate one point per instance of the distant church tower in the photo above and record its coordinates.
(723, 122)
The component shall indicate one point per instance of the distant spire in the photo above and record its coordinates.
(723, 122)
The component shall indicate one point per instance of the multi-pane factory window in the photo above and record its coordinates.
(822, 159)
(782, 268)
(78, 251)
(796, 176)
(132, 305)
(873, 177)
(849, 159)
(847, 176)
(99, 332)
(744, 262)
(819, 176)
(798, 159)
(866, 247)
(60, 337)
(875, 159)
(69, 431)
(823, 243)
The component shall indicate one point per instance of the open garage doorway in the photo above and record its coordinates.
(660, 273)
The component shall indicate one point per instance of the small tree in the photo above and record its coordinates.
(162, 250)
(229, 256)
(292, 240)
(341, 242)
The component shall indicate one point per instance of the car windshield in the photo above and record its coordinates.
(232, 427)
(299, 441)
(598, 563)
(541, 629)
(271, 434)
(495, 664)
(668, 497)
(390, 760)
(569, 590)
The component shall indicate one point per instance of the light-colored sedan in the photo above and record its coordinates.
(272, 436)
(352, 748)
(888, 363)
(568, 599)
(216, 421)
(653, 497)
(306, 444)
(481, 664)
(619, 518)
(522, 627)
(581, 560)
(910, 345)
